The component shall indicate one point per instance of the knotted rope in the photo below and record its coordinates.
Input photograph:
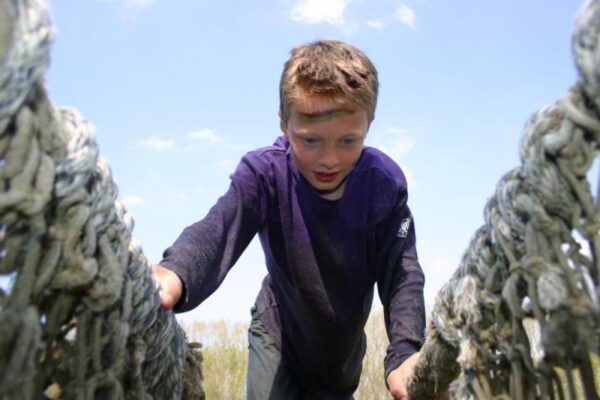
(79, 311)
(527, 265)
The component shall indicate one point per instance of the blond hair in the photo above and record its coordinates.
(332, 69)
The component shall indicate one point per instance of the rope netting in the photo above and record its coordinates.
(80, 313)
(520, 318)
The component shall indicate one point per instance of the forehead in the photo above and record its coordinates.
(313, 109)
(322, 116)
(314, 103)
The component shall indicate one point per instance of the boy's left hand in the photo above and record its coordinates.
(396, 379)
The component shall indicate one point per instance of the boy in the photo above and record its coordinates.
(332, 218)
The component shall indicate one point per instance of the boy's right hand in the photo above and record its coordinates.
(169, 286)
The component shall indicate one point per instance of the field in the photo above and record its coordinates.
(225, 351)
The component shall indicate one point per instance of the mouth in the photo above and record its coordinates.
(326, 177)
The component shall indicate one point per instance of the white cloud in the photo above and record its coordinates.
(396, 143)
(394, 130)
(157, 143)
(315, 11)
(401, 147)
(406, 14)
(176, 195)
(376, 24)
(138, 4)
(132, 200)
(128, 10)
(438, 272)
(226, 164)
(208, 135)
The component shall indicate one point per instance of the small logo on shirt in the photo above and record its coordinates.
(404, 226)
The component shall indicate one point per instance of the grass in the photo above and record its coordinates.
(225, 352)
(372, 384)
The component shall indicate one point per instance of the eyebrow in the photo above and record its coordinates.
(322, 116)
(303, 133)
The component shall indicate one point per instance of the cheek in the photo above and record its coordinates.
(303, 159)
(350, 158)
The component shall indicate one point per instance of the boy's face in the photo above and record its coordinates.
(326, 140)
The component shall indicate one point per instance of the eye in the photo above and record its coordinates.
(310, 141)
(348, 141)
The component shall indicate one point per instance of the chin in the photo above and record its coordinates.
(325, 187)
(328, 188)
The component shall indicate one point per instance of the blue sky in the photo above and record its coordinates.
(180, 90)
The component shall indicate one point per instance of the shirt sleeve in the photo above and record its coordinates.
(205, 252)
(400, 284)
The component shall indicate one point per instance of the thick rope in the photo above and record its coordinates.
(80, 316)
(526, 266)
(79, 310)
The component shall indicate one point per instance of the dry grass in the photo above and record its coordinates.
(577, 380)
(372, 384)
(225, 351)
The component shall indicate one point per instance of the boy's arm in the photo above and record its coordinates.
(204, 253)
(400, 283)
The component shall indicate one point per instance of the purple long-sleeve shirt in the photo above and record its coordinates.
(323, 259)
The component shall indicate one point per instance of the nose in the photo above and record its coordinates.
(329, 158)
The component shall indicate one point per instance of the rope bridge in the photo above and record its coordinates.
(80, 313)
